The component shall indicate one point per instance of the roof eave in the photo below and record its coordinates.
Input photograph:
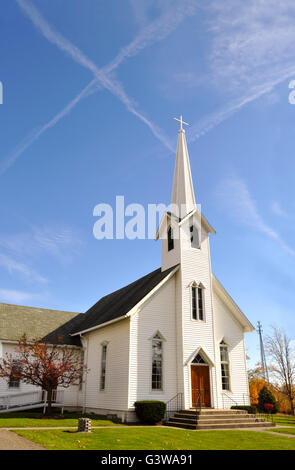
(134, 309)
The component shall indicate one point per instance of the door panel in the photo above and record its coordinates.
(200, 380)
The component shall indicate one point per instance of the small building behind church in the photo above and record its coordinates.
(175, 332)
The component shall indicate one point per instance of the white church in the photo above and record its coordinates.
(175, 334)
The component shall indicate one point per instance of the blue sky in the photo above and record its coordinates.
(90, 92)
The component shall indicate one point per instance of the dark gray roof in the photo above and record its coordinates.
(62, 334)
(120, 302)
(58, 326)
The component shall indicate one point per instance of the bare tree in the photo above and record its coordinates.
(282, 355)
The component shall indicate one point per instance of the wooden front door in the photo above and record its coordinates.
(200, 380)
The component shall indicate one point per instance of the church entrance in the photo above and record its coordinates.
(200, 382)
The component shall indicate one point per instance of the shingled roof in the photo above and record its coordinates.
(59, 326)
(16, 320)
(120, 302)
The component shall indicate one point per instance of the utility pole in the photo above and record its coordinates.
(262, 353)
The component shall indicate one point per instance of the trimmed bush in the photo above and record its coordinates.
(150, 411)
(251, 409)
(266, 397)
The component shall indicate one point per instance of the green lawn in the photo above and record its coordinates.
(33, 419)
(283, 430)
(157, 439)
(281, 420)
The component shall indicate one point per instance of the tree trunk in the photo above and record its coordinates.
(49, 402)
(292, 406)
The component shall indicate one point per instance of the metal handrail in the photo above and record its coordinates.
(198, 406)
(33, 397)
(173, 405)
(230, 398)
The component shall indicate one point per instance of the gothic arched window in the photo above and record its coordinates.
(197, 295)
(224, 361)
(157, 362)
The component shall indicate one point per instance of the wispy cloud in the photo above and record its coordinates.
(20, 251)
(235, 194)
(156, 31)
(13, 156)
(212, 120)
(251, 41)
(113, 86)
(16, 296)
(277, 210)
(251, 53)
(12, 266)
(61, 242)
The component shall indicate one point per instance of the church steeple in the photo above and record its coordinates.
(183, 191)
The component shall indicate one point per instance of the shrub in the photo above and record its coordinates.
(268, 407)
(150, 411)
(251, 409)
(266, 397)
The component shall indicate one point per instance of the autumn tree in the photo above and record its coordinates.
(282, 355)
(256, 383)
(44, 365)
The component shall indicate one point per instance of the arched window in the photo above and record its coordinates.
(103, 366)
(157, 362)
(170, 239)
(224, 361)
(197, 295)
(199, 360)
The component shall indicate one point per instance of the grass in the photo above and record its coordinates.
(34, 419)
(283, 430)
(282, 420)
(157, 439)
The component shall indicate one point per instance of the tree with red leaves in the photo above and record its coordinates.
(44, 365)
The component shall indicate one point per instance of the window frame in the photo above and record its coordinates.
(195, 307)
(82, 361)
(170, 239)
(157, 337)
(103, 367)
(12, 383)
(193, 229)
(223, 344)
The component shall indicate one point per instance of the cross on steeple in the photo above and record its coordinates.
(181, 122)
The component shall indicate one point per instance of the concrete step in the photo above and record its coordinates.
(175, 424)
(226, 420)
(212, 416)
(216, 419)
(212, 412)
(243, 424)
(236, 426)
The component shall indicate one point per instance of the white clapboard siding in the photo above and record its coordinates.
(228, 328)
(197, 334)
(115, 394)
(156, 315)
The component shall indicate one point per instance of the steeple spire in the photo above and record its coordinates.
(183, 191)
